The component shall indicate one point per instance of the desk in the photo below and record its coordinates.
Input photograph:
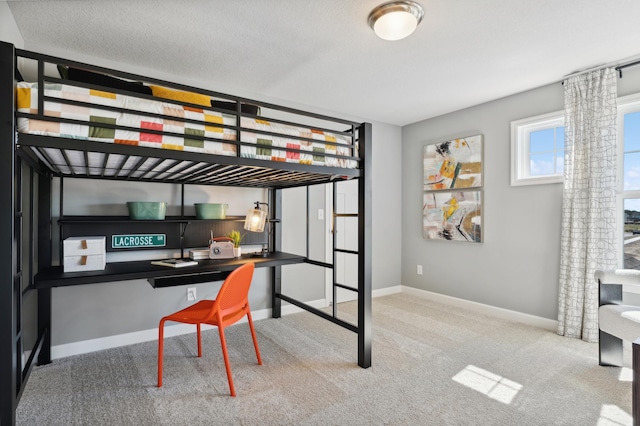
(158, 276)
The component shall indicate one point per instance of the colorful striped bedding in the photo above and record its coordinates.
(206, 131)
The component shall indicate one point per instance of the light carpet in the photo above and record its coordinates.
(432, 365)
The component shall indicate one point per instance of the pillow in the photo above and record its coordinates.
(182, 96)
(90, 77)
(231, 106)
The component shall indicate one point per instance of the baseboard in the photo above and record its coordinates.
(101, 343)
(92, 345)
(386, 291)
(502, 313)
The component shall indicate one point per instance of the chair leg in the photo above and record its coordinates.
(255, 339)
(225, 355)
(610, 350)
(160, 350)
(199, 341)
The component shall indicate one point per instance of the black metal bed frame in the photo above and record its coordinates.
(26, 239)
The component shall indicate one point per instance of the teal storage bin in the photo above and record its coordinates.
(211, 210)
(146, 210)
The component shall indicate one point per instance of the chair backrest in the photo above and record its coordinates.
(234, 293)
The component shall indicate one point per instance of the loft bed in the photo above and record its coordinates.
(97, 123)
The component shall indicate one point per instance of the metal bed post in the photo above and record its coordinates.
(9, 295)
(365, 189)
(45, 246)
(275, 241)
(334, 252)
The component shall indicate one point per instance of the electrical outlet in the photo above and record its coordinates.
(320, 214)
(419, 270)
(191, 294)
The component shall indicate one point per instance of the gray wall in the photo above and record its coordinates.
(517, 265)
(388, 205)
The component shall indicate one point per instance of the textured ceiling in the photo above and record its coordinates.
(321, 54)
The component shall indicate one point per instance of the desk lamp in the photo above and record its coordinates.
(255, 221)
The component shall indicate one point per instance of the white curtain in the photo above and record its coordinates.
(589, 215)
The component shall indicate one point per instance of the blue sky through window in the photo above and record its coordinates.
(546, 151)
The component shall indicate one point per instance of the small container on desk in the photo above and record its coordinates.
(84, 254)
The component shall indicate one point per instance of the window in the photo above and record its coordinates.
(537, 149)
(629, 178)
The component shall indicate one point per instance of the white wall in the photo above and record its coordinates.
(517, 265)
(8, 29)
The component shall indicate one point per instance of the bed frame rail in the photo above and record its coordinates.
(61, 160)
(98, 160)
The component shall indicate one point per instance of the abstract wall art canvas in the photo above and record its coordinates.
(452, 215)
(453, 164)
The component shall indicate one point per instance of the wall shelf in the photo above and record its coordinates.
(181, 232)
(168, 219)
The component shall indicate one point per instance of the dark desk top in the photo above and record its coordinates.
(160, 276)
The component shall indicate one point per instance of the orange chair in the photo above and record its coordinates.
(230, 305)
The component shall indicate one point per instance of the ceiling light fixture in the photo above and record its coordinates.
(395, 20)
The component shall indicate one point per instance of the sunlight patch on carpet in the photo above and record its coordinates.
(626, 375)
(483, 381)
(612, 415)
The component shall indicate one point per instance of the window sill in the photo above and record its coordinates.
(537, 180)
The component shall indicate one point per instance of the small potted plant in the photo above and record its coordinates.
(236, 238)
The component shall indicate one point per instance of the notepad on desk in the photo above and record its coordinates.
(174, 263)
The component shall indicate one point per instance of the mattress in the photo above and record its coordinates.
(182, 127)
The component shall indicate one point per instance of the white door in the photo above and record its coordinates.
(346, 235)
